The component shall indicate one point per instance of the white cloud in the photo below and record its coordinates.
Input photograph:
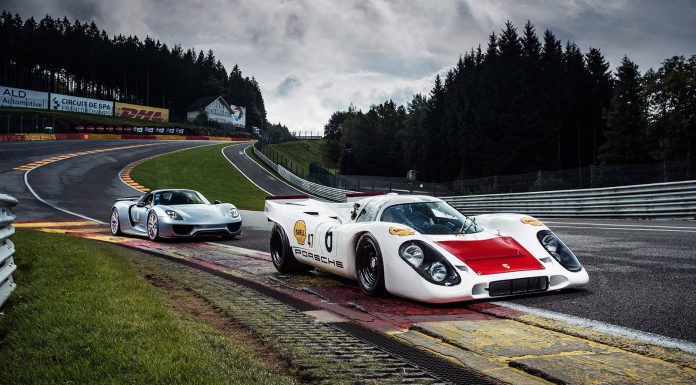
(312, 57)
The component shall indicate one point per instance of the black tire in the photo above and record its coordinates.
(369, 265)
(281, 253)
(115, 222)
(153, 226)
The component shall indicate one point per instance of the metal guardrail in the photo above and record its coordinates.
(666, 200)
(330, 193)
(658, 200)
(7, 249)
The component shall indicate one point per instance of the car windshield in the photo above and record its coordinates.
(173, 198)
(436, 218)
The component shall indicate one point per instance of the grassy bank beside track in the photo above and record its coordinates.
(204, 169)
(303, 152)
(84, 313)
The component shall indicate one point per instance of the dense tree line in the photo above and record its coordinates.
(524, 104)
(79, 59)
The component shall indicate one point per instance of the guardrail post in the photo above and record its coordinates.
(7, 265)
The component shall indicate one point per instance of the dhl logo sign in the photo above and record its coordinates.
(134, 111)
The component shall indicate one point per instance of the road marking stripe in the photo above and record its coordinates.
(624, 229)
(651, 338)
(222, 151)
(621, 225)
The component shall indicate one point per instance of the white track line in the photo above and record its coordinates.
(622, 228)
(621, 225)
(26, 182)
(646, 337)
(240, 171)
(275, 177)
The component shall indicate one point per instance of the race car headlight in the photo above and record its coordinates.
(234, 213)
(413, 255)
(429, 263)
(438, 271)
(558, 250)
(173, 214)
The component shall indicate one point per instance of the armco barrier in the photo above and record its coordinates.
(329, 193)
(7, 265)
(659, 200)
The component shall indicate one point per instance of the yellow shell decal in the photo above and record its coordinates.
(400, 231)
(531, 221)
(300, 232)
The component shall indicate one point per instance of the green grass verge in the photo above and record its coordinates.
(204, 169)
(303, 152)
(83, 315)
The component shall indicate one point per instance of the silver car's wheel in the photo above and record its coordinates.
(152, 226)
(114, 223)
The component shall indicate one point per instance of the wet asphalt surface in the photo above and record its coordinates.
(642, 272)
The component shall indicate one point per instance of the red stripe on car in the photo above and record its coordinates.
(493, 256)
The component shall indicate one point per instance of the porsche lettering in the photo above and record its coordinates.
(319, 258)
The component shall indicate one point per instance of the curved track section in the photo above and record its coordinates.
(641, 271)
(258, 175)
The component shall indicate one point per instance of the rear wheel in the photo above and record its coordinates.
(115, 223)
(281, 253)
(153, 226)
(369, 265)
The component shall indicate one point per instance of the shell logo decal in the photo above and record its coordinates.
(531, 221)
(300, 232)
(400, 231)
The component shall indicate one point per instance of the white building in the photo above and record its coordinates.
(217, 110)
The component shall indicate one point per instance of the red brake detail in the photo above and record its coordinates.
(493, 256)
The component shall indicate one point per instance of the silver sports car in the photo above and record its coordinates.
(174, 214)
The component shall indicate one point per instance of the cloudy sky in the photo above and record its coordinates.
(313, 57)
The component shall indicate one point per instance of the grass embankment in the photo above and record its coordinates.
(204, 169)
(83, 314)
(303, 152)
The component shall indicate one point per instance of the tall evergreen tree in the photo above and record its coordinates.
(626, 134)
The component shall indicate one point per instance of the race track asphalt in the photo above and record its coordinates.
(642, 273)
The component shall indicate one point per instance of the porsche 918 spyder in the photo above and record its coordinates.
(420, 247)
(174, 214)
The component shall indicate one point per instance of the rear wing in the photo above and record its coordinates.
(126, 199)
(352, 197)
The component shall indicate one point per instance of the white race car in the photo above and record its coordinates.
(420, 247)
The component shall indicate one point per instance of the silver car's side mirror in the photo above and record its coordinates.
(216, 202)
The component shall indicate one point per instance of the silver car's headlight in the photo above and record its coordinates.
(174, 215)
(234, 213)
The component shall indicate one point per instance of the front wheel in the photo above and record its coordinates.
(369, 265)
(281, 253)
(152, 226)
(115, 223)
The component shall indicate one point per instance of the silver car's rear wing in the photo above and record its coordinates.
(126, 199)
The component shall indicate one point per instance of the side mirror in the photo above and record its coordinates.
(216, 202)
(354, 213)
(141, 204)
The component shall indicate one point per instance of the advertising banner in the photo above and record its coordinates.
(84, 105)
(19, 98)
(134, 111)
(238, 116)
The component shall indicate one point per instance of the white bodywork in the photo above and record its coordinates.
(330, 236)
